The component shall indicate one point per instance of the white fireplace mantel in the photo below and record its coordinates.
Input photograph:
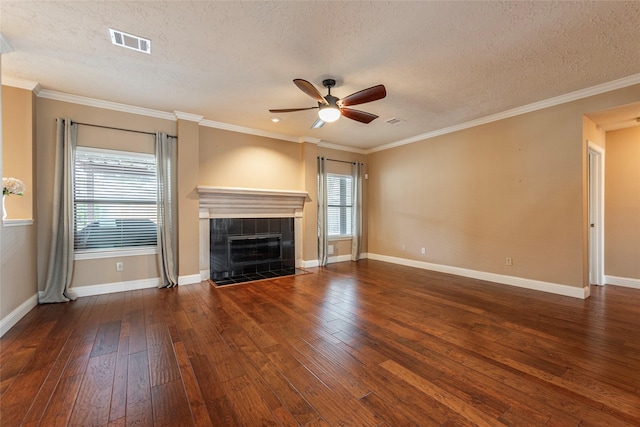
(233, 202)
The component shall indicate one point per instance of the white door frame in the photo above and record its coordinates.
(596, 214)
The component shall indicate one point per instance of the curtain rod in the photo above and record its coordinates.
(340, 161)
(114, 128)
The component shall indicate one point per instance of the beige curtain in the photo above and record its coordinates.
(323, 240)
(356, 221)
(60, 267)
(167, 209)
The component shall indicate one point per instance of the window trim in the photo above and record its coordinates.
(100, 253)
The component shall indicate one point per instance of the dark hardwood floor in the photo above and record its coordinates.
(364, 343)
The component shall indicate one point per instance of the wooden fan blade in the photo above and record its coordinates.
(318, 123)
(310, 90)
(365, 95)
(291, 110)
(357, 115)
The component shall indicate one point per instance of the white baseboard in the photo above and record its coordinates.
(131, 285)
(110, 288)
(554, 288)
(14, 317)
(205, 275)
(339, 258)
(331, 260)
(191, 279)
(622, 281)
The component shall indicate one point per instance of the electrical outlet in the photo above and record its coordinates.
(404, 248)
(424, 251)
(509, 261)
(119, 266)
(330, 249)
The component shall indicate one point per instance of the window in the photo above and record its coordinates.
(114, 200)
(339, 205)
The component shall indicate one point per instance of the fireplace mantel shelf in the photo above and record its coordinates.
(205, 190)
(235, 202)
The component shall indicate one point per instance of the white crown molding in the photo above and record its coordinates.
(323, 144)
(22, 84)
(188, 116)
(5, 47)
(341, 147)
(621, 125)
(551, 102)
(107, 105)
(249, 131)
(309, 139)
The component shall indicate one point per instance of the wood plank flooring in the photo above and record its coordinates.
(362, 344)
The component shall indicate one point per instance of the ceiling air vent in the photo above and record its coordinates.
(130, 41)
(394, 121)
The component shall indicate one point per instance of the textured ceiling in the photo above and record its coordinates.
(443, 63)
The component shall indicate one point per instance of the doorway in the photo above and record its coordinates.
(596, 214)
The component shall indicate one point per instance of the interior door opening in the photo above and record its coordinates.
(596, 214)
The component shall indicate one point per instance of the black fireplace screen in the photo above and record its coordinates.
(245, 250)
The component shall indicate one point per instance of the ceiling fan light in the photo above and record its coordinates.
(329, 114)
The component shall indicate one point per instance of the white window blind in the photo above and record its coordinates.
(114, 199)
(339, 204)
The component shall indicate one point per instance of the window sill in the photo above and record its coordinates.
(114, 253)
(334, 238)
(17, 222)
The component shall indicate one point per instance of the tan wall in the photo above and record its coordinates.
(310, 214)
(593, 133)
(622, 203)
(188, 199)
(230, 159)
(17, 148)
(101, 271)
(18, 243)
(18, 273)
(513, 188)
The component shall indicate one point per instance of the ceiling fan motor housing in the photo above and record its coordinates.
(328, 83)
(332, 100)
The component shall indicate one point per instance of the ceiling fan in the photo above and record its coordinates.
(330, 108)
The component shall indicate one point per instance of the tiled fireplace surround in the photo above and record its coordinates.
(231, 202)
